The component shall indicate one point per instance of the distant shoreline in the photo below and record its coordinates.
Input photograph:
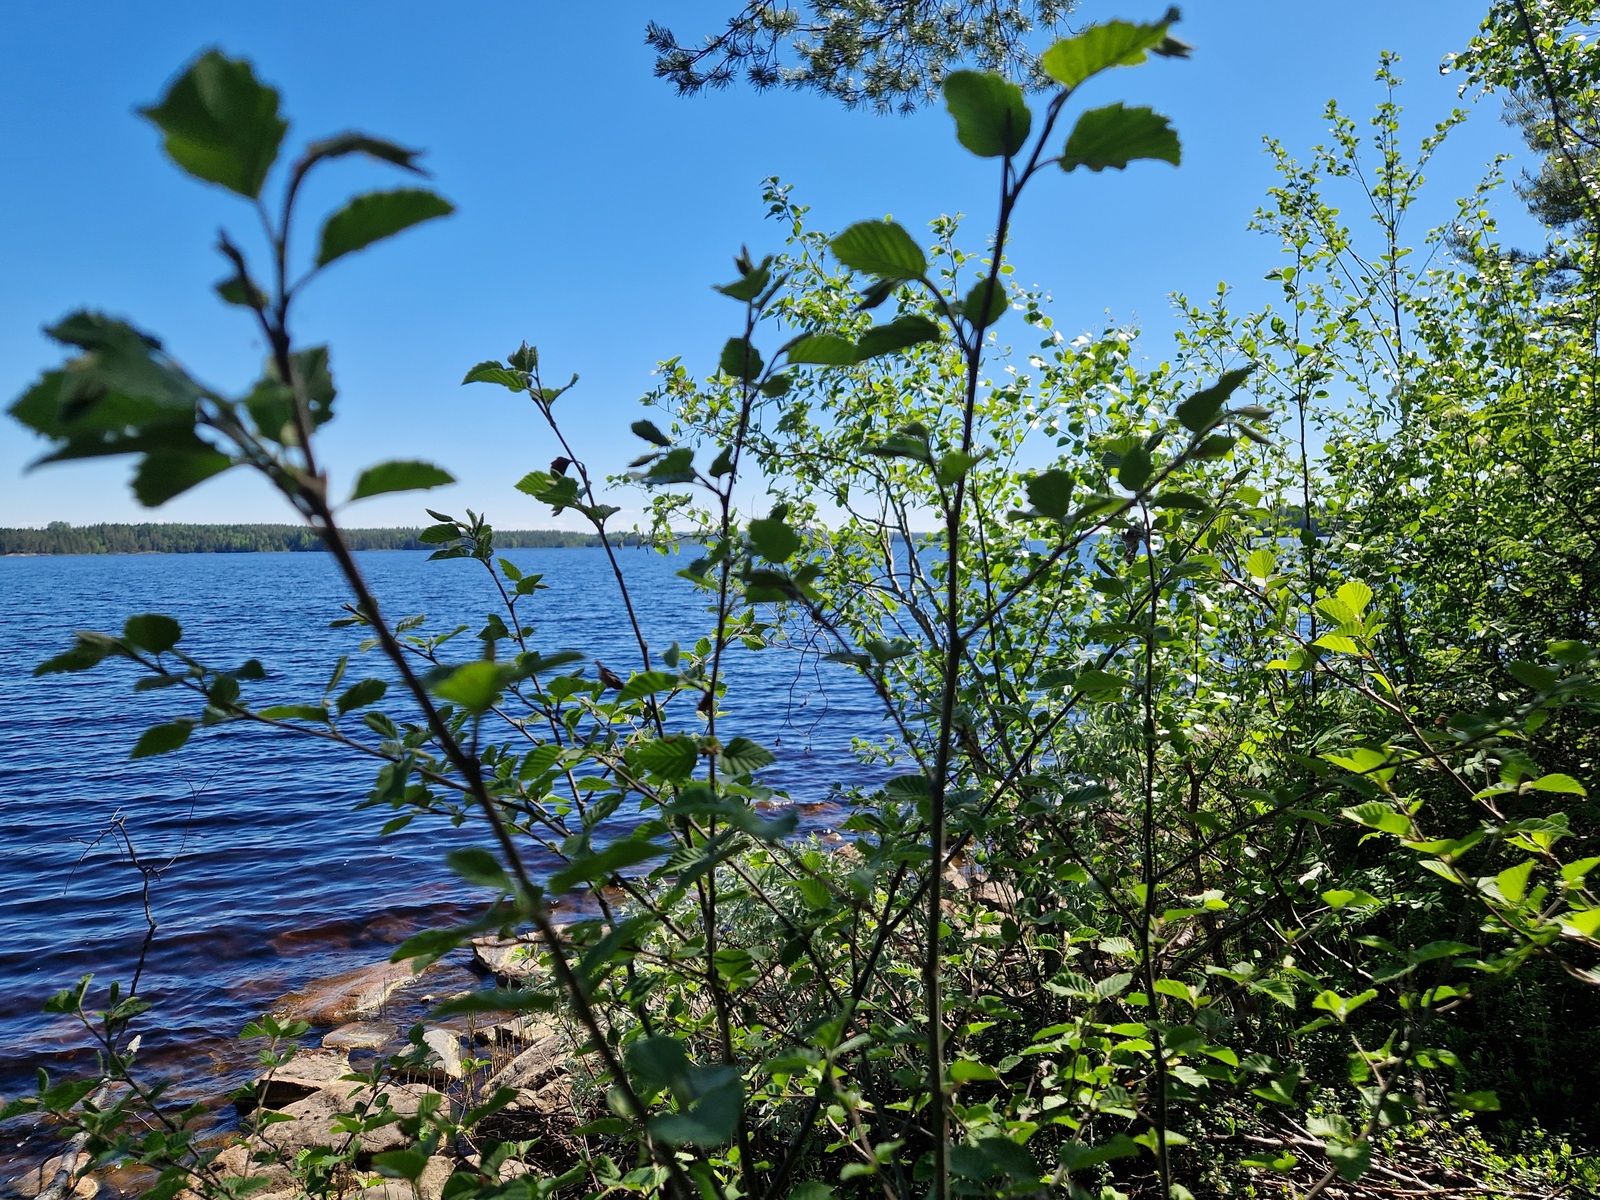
(59, 538)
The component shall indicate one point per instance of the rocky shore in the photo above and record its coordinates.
(362, 1017)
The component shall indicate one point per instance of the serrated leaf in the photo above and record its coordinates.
(399, 476)
(773, 539)
(672, 758)
(162, 739)
(1200, 411)
(823, 350)
(647, 683)
(881, 248)
(741, 756)
(493, 372)
(1116, 135)
(1099, 48)
(152, 632)
(625, 852)
(1135, 470)
(475, 686)
(375, 216)
(740, 359)
(992, 119)
(478, 866)
(221, 124)
(899, 334)
(359, 695)
(1050, 492)
(1562, 784)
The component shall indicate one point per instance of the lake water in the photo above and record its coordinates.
(268, 877)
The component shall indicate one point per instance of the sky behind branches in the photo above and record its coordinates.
(596, 208)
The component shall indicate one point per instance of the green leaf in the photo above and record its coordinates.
(401, 1164)
(399, 476)
(1261, 564)
(899, 334)
(161, 739)
(1564, 784)
(152, 632)
(675, 466)
(773, 539)
(1355, 595)
(823, 350)
(1135, 470)
(165, 474)
(1200, 411)
(1100, 47)
(220, 124)
(359, 695)
(492, 372)
(341, 145)
(986, 302)
(623, 853)
(741, 756)
(1116, 135)
(375, 216)
(740, 359)
(558, 491)
(647, 683)
(648, 431)
(713, 1116)
(475, 686)
(672, 758)
(952, 466)
(1352, 1161)
(295, 712)
(1484, 1101)
(478, 866)
(1050, 493)
(881, 248)
(992, 119)
(89, 650)
(964, 1070)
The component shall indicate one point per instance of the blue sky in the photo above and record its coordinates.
(596, 208)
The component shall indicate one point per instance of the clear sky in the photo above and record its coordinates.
(596, 208)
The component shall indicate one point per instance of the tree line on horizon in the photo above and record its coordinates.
(59, 537)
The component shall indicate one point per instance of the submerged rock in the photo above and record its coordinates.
(350, 994)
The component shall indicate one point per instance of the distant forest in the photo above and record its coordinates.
(61, 538)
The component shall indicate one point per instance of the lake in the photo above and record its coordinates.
(266, 877)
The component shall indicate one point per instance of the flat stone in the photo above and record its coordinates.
(341, 998)
(507, 958)
(359, 1035)
(307, 1073)
(444, 1054)
(236, 1161)
(313, 1121)
(518, 1031)
(541, 1062)
(430, 1184)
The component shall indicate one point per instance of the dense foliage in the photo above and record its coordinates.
(169, 537)
(1243, 702)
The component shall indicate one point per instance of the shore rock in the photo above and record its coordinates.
(536, 1066)
(304, 1075)
(33, 1182)
(507, 959)
(443, 1062)
(360, 1035)
(341, 998)
(313, 1122)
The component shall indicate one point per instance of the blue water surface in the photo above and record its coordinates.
(263, 873)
